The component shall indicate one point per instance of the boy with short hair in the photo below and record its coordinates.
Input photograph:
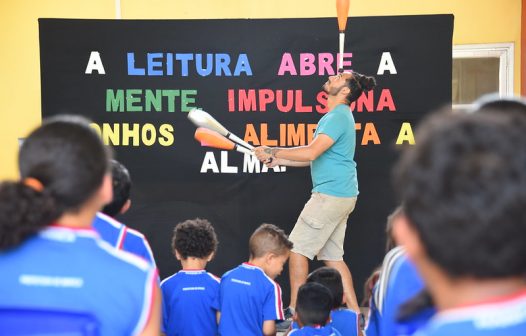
(343, 319)
(250, 300)
(191, 296)
(313, 310)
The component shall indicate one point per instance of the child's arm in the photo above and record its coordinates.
(269, 328)
(218, 316)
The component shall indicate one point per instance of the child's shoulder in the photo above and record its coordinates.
(245, 270)
(250, 275)
(169, 280)
(230, 272)
(213, 277)
(343, 312)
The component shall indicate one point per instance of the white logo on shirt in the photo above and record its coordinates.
(241, 282)
(193, 288)
(50, 281)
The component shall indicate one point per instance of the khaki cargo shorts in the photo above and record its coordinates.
(320, 229)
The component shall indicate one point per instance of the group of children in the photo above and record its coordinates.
(247, 300)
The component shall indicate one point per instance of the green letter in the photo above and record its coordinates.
(154, 100)
(130, 100)
(185, 100)
(114, 101)
(170, 95)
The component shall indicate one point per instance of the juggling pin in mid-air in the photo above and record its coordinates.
(342, 11)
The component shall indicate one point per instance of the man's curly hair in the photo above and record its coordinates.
(194, 238)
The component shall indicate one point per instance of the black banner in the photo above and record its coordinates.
(262, 79)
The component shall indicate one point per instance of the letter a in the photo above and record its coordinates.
(406, 134)
(386, 63)
(95, 63)
(209, 163)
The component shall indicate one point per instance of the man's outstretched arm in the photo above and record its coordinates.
(303, 154)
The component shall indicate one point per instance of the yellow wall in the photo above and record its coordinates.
(476, 21)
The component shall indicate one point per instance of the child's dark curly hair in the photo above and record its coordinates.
(194, 238)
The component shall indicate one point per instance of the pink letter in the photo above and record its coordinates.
(287, 64)
(266, 96)
(386, 100)
(307, 66)
(325, 61)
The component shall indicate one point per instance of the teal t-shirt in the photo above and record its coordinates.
(334, 171)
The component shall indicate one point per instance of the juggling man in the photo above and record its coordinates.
(320, 229)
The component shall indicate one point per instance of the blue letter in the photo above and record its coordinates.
(222, 63)
(169, 64)
(132, 71)
(184, 58)
(152, 63)
(243, 65)
(199, 64)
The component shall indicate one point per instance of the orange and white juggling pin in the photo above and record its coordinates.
(342, 11)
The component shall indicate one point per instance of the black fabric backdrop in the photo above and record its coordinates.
(168, 186)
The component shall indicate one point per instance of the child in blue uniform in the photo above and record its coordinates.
(50, 257)
(342, 319)
(114, 232)
(191, 296)
(122, 237)
(396, 307)
(313, 309)
(463, 186)
(250, 300)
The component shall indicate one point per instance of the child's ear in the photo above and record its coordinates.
(210, 256)
(125, 207)
(269, 257)
(177, 255)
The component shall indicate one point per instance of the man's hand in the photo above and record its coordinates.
(263, 153)
(273, 163)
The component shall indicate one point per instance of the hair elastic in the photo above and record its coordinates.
(34, 184)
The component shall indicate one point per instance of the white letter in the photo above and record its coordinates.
(225, 168)
(95, 63)
(251, 164)
(386, 63)
(209, 162)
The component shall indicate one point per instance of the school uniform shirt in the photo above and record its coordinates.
(345, 321)
(248, 297)
(501, 317)
(315, 331)
(372, 324)
(122, 237)
(399, 282)
(190, 303)
(74, 270)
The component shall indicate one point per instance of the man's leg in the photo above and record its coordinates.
(298, 271)
(348, 288)
(332, 252)
(308, 235)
